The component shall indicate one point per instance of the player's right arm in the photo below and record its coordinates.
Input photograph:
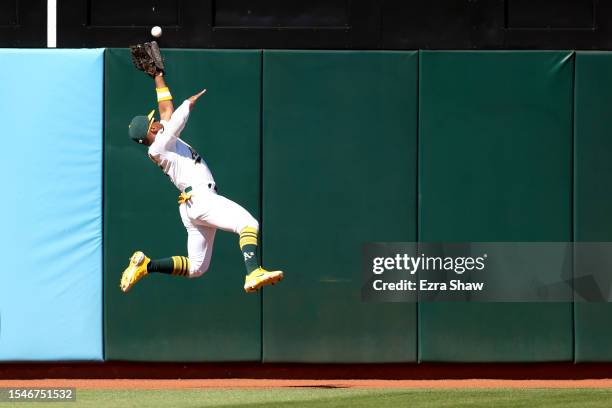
(164, 99)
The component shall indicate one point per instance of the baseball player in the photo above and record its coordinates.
(202, 210)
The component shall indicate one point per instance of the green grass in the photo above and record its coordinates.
(331, 398)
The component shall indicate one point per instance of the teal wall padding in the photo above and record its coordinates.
(166, 318)
(51, 207)
(592, 191)
(495, 164)
(339, 170)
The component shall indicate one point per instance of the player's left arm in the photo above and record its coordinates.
(178, 118)
(193, 99)
(164, 99)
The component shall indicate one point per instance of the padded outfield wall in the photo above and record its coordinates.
(51, 208)
(495, 164)
(593, 194)
(339, 170)
(165, 318)
(329, 150)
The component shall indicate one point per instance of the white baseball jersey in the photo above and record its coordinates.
(206, 211)
(177, 159)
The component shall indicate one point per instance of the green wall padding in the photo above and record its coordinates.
(339, 170)
(592, 190)
(495, 164)
(165, 318)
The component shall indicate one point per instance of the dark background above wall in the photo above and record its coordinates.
(340, 24)
(316, 24)
(23, 23)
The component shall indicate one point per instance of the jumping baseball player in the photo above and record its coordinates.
(202, 210)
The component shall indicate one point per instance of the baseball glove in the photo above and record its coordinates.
(147, 57)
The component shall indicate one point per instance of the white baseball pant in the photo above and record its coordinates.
(202, 216)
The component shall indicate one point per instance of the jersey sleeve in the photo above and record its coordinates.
(166, 137)
(175, 125)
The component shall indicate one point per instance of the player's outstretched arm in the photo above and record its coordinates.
(164, 99)
(192, 100)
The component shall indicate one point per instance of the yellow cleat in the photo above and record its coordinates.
(260, 277)
(135, 271)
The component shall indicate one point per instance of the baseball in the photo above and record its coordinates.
(156, 31)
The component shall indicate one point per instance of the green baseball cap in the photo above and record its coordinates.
(140, 126)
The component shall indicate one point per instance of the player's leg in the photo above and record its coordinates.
(200, 247)
(200, 241)
(227, 215)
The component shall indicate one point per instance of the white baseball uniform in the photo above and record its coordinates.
(206, 211)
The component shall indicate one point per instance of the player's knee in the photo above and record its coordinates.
(198, 268)
(248, 222)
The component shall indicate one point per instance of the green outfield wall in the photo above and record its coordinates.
(167, 318)
(495, 164)
(339, 170)
(592, 191)
(334, 149)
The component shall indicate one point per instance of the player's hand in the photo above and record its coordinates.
(192, 100)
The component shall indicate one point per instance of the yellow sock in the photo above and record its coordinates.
(248, 246)
(181, 266)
